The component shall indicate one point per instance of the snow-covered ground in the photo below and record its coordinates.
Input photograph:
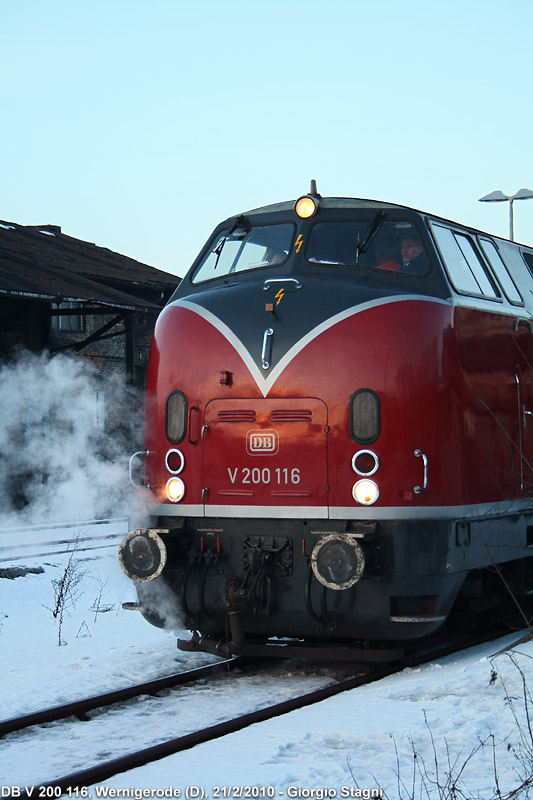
(404, 735)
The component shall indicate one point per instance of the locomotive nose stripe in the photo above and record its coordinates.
(266, 381)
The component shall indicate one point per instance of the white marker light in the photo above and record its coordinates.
(365, 492)
(365, 463)
(175, 490)
(174, 461)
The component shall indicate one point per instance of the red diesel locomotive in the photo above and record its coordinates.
(339, 432)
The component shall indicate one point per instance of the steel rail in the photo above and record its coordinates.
(51, 543)
(102, 772)
(80, 708)
(58, 525)
(83, 540)
(10, 559)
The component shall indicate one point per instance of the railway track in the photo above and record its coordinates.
(37, 541)
(101, 772)
(80, 708)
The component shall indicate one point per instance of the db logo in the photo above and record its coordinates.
(262, 443)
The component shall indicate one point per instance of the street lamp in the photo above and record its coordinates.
(498, 197)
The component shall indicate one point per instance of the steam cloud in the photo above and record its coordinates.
(160, 601)
(65, 438)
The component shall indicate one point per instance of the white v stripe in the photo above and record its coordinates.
(265, 380)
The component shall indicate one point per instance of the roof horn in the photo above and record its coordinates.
(312, 191)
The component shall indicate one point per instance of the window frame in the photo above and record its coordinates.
(454, 275)
(57, 321)
(484, 238)
(529, 266)
(219, 235)
(388, 219)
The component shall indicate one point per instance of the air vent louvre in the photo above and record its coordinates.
(234, 415)
(291, 415)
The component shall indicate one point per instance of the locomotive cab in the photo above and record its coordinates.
(336, 430)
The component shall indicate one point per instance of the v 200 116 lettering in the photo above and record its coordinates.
(285, 475)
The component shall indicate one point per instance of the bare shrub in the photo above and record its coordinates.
(67, 591)
(99, 605)
(450, 777)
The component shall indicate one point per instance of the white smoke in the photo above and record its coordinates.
(65, 437)
(161, 602)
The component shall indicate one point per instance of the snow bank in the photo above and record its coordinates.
(405, 735)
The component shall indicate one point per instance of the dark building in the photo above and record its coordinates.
(60, 294)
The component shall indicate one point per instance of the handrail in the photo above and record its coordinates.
(527, 322)
(419, 454)
(265, 363)
(268, 281)
(143, 453)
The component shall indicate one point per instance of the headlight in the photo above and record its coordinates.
(338, 561)
(175, 490)
(365, 492)
(142, 555)
(306, 207)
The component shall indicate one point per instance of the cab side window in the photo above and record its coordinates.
(496, 262)
(465, 268)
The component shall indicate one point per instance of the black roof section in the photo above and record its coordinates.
(41, 262)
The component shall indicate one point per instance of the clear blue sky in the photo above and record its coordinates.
(140, 124)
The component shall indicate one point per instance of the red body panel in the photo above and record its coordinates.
(266, 452)
(494, 362)
(447, 387)
(425, 392)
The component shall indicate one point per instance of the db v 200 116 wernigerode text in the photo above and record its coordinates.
(192, 792)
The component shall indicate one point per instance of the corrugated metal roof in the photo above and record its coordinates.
(42, 262)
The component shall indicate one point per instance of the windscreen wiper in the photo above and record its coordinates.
(240, 222)
(373, 228)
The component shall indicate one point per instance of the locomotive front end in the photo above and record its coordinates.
(305, 438)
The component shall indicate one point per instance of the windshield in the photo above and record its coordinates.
(372, 244)
(244, 248)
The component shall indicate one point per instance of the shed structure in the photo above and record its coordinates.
(61, 294)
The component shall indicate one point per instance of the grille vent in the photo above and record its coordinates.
(291, 415)
(232, 415)
(365, 416)
(276, 415)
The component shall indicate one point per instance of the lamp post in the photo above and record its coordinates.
(498, 197)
